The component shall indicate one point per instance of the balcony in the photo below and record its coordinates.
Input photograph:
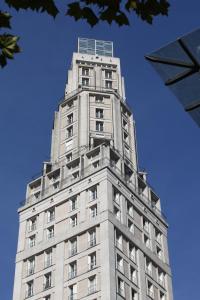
(147, 198)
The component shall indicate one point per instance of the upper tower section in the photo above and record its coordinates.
(94, 110)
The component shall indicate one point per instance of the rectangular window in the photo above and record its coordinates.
(85, 71)
(72, 292)
(145, 224)
(130, 209)
(108, 84)
(50, 232)
(70, 119)
(99, 126)
(73, 246)
(117, 213)
(29, 289)
(93, 193)
(108, 74)
(120, 263)
(161, 277)
(48, 297)
(120, 285)
(72, 270)
(92, 261)
(130, 226)
(158, 236)
(73, 221)
(116, 196)
(93, 211)
(48, 258)
(132, 252)
(162, 296)
(30, 266)
(92, 285)
(50, 215)
(133, 275)
(159, 252)
(85, 81)
(69, 132)
(147, 241)
(73, 203)
(134, 295)
(99, 98)
(69, 157)
(32, 224)
(148, 266)
(31, 241)
(99, 113)
(47, 281)
(119, 240)
(92, 238)
(150, 289)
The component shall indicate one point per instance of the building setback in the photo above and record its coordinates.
(91, 227)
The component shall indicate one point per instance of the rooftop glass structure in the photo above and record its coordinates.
(178, 64)
(95, 47)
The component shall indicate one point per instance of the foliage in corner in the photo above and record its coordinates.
(92, 11)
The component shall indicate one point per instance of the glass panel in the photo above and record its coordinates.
(178, 66)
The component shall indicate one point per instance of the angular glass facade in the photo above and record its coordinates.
(95, 47)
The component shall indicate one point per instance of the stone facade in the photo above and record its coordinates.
(91, 227)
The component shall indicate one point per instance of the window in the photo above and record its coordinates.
(72, 292)
(133, 275)
(134, 295)
(147, 241)
(126, 151)
(120, 264)
(130, 226)
(73, 203)
(93, 211)
(108, 74)
(117, 213)
(108, 84)
(148, 266)
(132, 252)
(99, 126)
(158, 236)
(70, 104)
(126, 138)
(99, 98)
(93, 193)
(31, 241)
(120, 284)
(73, 246)
(32, 224)
(29, 289)
(50, 232)
(68, 146)
(95, 164)
(150, 289)
(48, 258)
(92, 238)
(56, 185)
(116, 196)
(99, 113)
(124, 124)
(161, 277)
(119, 240)
(130, 209)
(48, 297)
(72, 270)
(69, 132)
(30, 266)
(50, 215)
(162, 296)
(70, 119)
(85, 71)
(75, 175)
(92, 261)
(69, 157)
(73, 221)
(47, 281)
(85, 81)
(92, 285)
(159, 252)
(145, 224)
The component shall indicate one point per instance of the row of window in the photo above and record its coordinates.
(72, 289)
(85, 81)
(73, 205)
(86, 72)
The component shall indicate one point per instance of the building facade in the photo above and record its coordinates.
(91, 227)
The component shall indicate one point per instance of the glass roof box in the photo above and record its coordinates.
(95, 47)
(178, 64)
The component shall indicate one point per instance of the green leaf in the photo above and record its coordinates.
(75, 10)
(8, 47)
(5, 19)
(47, 6)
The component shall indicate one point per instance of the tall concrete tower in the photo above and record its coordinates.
(91, 227)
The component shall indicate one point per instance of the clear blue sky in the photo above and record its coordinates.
(168, 140)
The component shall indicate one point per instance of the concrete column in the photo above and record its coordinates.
(59, 272)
